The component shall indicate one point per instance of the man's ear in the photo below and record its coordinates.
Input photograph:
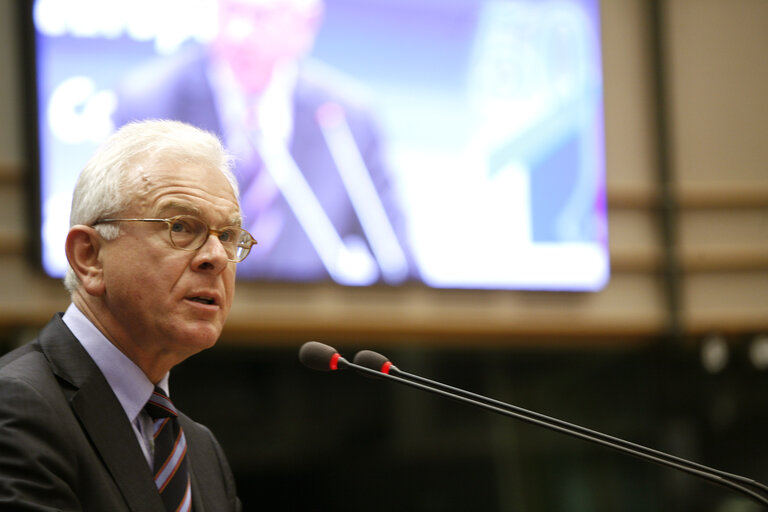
(82, 247)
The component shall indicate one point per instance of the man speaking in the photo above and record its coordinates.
(86, 420)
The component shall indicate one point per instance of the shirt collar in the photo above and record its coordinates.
(129, 383)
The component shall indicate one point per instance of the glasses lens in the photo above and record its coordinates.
(191, 233)
(188, 232)
(238, 243)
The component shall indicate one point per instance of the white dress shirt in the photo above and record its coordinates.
(129, 383)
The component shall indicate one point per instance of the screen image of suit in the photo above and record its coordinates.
(179, 87)
(66, 441)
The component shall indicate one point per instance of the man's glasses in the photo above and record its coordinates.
(190, 234)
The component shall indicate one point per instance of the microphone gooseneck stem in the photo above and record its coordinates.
(321, 357)
(395, 371)
(563, 428)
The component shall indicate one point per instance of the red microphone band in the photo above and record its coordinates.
(334, 363)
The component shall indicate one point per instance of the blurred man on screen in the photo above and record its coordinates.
(86, 422)
(315, 188)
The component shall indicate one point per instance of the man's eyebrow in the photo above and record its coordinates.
(181, 208)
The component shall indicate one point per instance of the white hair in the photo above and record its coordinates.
(103, 187)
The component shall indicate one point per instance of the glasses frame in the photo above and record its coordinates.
(217, 232)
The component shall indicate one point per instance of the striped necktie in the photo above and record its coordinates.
(170, 464)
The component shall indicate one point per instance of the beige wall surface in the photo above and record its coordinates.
(715, 78)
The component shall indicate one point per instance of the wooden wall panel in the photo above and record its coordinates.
(718, 77)
(717, 81)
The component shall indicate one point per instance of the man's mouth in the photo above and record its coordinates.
(202, 300)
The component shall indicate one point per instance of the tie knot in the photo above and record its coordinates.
(159, 405)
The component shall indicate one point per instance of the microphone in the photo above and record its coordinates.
(376, 361)
(319, 356)
(322, 357)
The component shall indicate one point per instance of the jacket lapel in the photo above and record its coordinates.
(197, 492)
(102, 417)
(197, 463)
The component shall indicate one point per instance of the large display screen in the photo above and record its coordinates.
(458, 143)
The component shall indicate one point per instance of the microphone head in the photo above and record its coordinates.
(319, 356)
(374, 361)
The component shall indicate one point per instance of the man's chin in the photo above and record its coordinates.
(201, 336)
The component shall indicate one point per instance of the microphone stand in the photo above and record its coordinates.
(324, 358)
(367, 356)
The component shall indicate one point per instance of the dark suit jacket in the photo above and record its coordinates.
(178, 88)
(66, 443)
